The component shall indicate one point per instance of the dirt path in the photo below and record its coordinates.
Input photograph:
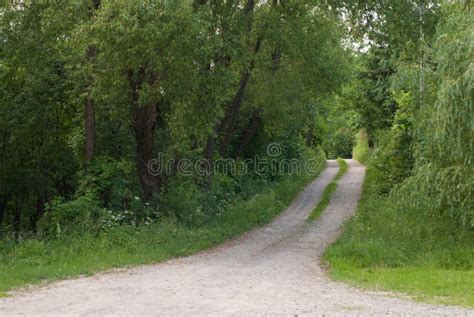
(273, 270)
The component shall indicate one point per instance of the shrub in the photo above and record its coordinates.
(112, 182)
(83, 213)
(399, 230)
(183, 199)
(340, 144)
(361, 151)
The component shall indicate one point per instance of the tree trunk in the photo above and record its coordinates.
(209, 149)
(16, 222)
(89, 110)
(40, 201)
(144, 123)
(144, 128)
(276, 57)
(226, 128)
(3, 207)
(256, 120)
(227, 125)
(89, 119)
(227, 122)
(3, 198)
(250, 132)
(249, 6)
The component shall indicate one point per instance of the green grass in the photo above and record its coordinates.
(328, 191)
(387, 246)
(361, 151)
(431, 285)
(34, 261)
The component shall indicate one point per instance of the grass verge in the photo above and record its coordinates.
(328, 191)
(34, 261)
(426, 284)
(385, 247)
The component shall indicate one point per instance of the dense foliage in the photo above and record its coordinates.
(414, 230)
(34, 261)
(428, 149)
(98, 95)
(93, 91)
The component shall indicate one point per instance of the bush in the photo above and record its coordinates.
(447, 193)
(83, 213)
(183, 199)
(340, 144)
(112, 182)
(398, 230)
(361, 151)
(105, 198)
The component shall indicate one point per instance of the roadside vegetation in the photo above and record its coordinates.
(86, 252)
(361, 151)
(328, 191)
(388, 246)
(133, 131)
(414, 229)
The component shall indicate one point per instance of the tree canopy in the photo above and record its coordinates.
(93, 91)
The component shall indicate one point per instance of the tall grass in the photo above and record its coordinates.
(388, 237)
(414, 230)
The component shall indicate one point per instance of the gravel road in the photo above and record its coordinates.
(273, 270)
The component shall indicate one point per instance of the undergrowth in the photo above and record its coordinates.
(387, 246)
(34, 261)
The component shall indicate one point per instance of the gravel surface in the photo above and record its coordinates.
(273, 270)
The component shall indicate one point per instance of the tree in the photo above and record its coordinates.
(89, 111)
(35, 117)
